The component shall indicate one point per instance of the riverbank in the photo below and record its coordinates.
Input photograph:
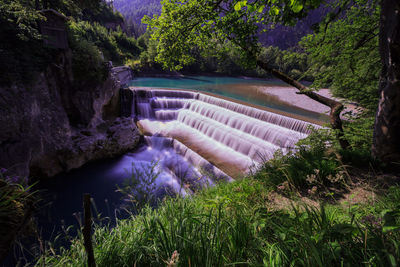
(290, 96)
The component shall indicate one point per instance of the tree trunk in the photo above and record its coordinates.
(335, 106)
(386, 139)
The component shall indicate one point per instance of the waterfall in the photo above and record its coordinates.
(179, 160)
(231, 136)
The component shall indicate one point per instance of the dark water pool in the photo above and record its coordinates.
(63, 195)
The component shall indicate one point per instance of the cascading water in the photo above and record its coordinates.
(159, 166)
(195, 139)
(232, 136)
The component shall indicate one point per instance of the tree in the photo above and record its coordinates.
(386, 140)
(20, 40)
(344, 54)
(186, 25)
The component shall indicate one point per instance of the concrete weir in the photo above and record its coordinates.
(231, 137)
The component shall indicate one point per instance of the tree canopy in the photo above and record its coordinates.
(184, 25)
(344, 55)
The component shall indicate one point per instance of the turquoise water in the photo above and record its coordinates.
(243, 89)
(195, 82)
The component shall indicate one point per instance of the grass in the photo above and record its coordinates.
(17, 204)
(232, 225)
(239, 224)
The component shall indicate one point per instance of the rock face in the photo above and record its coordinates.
(110, 139)
(123, 74)
(53, 126)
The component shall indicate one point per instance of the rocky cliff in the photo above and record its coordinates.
(53, 125)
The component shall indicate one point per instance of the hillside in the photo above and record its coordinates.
(134, 10)
(280, 36)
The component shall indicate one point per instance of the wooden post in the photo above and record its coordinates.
(87, 230)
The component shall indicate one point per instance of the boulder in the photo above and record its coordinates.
(113, 139)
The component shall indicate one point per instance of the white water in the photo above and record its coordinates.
(173, 165)
(225, 133)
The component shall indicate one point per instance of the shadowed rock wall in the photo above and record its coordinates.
(53, 126)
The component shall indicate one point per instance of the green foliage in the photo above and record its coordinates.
(12, 194)
(87, 63)
(226, 59)
(128, 45)
(323, 238)
(94, 33)
(313, 164)
(318, 164)
(344, 54)
(295, 64)
(21, 52)
(18, 18)
(102, 12)
(115, 45)
(17, 203)
(183, 26)
(231, 225)
(147, 57)
(134, 10)
(358, 130)
(200, 235)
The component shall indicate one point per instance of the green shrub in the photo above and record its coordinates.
(126, 44)
(313, 164)
(87, 63)
(318, 162)
(97, 35)
(116, 46)
(22, 54)
(17, 205)
(358, 130)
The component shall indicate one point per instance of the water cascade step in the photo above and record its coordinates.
(232, 136)
(179, 161)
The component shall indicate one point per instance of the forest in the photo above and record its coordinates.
(330, 200)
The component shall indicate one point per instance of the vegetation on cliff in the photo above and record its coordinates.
(94, 35)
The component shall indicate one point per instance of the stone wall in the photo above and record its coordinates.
(123, 74)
